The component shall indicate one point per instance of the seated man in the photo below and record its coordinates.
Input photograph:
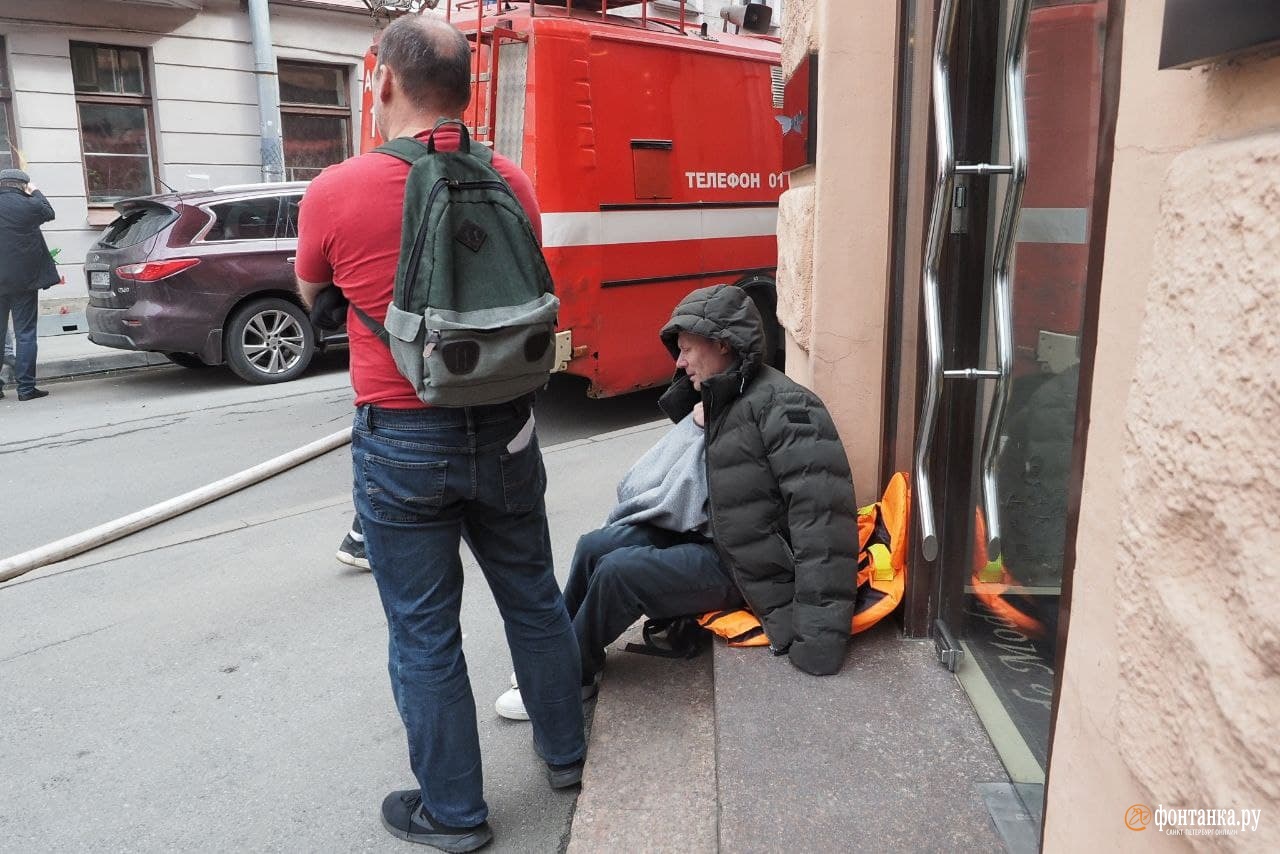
(769, 520)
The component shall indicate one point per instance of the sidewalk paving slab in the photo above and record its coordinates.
(886, 756)
(650, 780)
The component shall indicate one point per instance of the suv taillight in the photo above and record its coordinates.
(153, 271)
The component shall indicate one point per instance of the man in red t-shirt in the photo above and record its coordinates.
(426, 478)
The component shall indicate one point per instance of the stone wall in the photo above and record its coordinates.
(834, 223)
(1171, 683)
(1199, 548)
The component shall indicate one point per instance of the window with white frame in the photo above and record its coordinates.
(315, 110)
(113, 100)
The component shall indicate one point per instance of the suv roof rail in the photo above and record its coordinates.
(263, 185)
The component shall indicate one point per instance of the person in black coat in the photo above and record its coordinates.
(26, 267)
(783, 515)
(777, 524)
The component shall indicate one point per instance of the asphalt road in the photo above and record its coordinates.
(218, 682)
(98, 449)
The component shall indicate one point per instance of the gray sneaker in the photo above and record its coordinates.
(351, 552)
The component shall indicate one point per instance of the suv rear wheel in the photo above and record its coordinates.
(269, 340)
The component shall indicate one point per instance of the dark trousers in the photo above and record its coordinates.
(623, 571)
(24, 306)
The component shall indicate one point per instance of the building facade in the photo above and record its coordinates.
(1117, 640)
(103, 101)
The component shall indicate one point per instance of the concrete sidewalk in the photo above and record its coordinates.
(73, 354)
(739, 751)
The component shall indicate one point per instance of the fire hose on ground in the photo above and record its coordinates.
(109, 532)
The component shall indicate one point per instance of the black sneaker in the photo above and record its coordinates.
(565, 776)
(404, 818)
(561, 776)
(351, 552)
(34, 394)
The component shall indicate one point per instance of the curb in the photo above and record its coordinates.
(604, 437)
(97, 364)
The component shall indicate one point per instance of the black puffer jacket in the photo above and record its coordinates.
(783, 515)
(25, 264)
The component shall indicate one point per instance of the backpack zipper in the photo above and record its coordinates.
(480, 185)
(421, 238)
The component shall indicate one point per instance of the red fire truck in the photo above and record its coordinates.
(656, 157)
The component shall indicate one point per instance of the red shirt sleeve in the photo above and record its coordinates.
(315, 221)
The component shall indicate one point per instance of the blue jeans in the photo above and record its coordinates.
(25, 308)
(424, 480)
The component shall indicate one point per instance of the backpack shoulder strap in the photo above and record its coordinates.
(484, 154)
(404, 148)
(374, 326)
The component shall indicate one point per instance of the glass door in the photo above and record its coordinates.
(1010, 267)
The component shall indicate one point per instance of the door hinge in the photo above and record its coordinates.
(945, 646)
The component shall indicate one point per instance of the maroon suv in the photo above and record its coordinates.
(206, 278)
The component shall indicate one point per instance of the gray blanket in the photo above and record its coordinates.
(667, 487)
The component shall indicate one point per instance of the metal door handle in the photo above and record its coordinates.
(291, 259)
(1001, 286)
(1002, 297)
(944, 176)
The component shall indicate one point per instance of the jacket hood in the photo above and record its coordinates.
(722, 313)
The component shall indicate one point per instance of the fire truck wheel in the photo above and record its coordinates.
(762, 293)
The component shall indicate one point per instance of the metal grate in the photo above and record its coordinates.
(779, 85)
(513, 69)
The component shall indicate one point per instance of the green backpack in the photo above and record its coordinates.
(472, 320)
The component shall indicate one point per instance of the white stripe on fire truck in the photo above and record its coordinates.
(606, 228)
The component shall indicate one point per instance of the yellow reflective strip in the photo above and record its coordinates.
(881, 562)
(993, 572)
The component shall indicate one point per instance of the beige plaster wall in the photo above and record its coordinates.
(834, 223)
(1171, 683)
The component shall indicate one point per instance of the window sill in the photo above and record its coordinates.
(100, 216)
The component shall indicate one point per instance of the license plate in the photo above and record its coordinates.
(100, 279)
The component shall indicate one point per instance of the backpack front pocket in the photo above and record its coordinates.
(476, 357)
